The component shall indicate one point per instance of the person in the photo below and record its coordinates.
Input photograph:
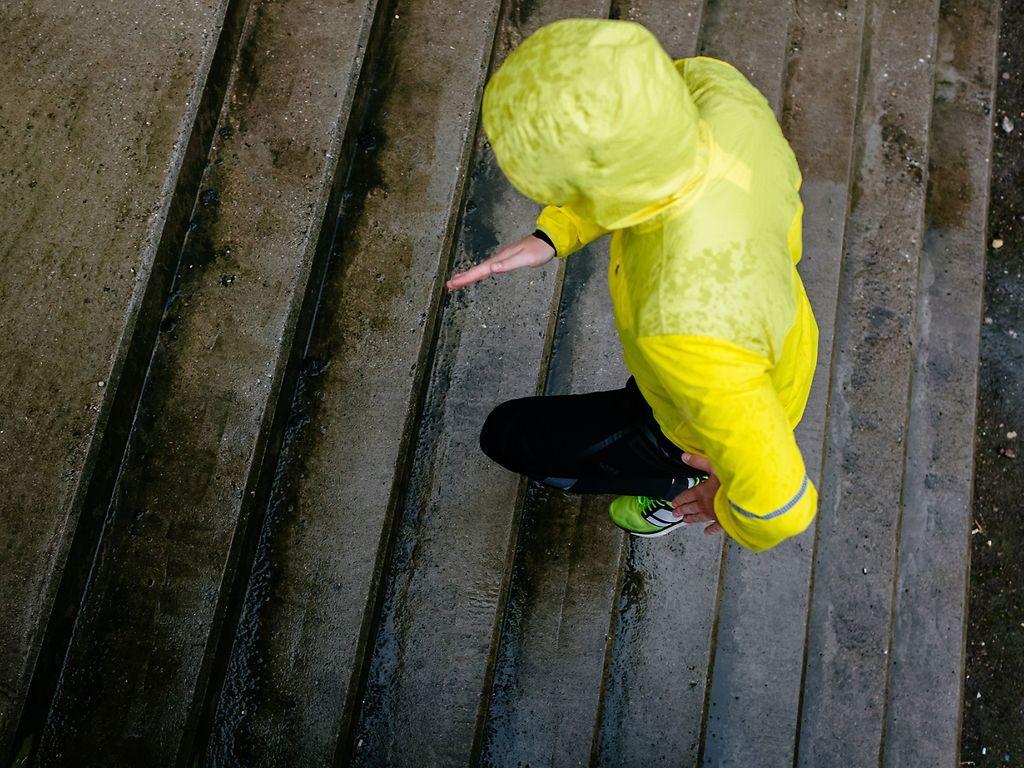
(685, 165)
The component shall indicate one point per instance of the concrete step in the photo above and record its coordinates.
(677, 24)
(134, 682)
(664, 642)
(843, 713)
(926, 678)
(549, 677)
(298, 659)
(107, 115)
(665, 639)
(425, 696)
(756, 681)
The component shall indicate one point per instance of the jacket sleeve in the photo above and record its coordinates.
(726, 397)
(568, 232)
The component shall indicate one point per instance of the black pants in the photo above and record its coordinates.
(602, 442)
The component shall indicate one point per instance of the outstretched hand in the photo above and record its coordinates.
(529, 252)
(697, 505)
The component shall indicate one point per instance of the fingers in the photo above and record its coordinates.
(482, 270)
(696, 505)
(681, 505)
(470, 276)
(528, 252)
(693, 508)
(686, 497)
(504, 261)
(698, 462)
(462, 279)
(515, 260)
(705, 492)
(698, 517)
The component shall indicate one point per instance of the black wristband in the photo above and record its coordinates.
(540, 233)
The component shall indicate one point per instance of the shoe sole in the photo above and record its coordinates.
(656, 534)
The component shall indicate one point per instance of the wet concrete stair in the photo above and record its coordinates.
(181, 507)
(309, 609)
(269, 537)
(107, 115)
(926, 679)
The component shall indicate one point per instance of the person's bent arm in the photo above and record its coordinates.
(726, 396)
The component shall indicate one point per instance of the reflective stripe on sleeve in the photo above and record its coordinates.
(781, 510)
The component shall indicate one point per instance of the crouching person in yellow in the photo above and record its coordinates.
(685, 166)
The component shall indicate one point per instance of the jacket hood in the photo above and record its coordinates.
(593, 114)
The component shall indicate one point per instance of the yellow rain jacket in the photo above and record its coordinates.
(685, 165)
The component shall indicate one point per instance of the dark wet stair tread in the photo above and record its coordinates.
(104, 136)
(925, 693)
(456, 524)
(297, 661)
(549, 678)
(665, 632)
(133, 686)
(856, 561)
(756, 681)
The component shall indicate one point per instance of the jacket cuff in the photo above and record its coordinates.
(559, 228)
(541, 234)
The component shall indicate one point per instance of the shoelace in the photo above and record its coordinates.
(647, 504)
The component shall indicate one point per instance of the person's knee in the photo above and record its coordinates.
(497, 435)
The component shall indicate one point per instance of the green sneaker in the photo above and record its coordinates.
(644, 516)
